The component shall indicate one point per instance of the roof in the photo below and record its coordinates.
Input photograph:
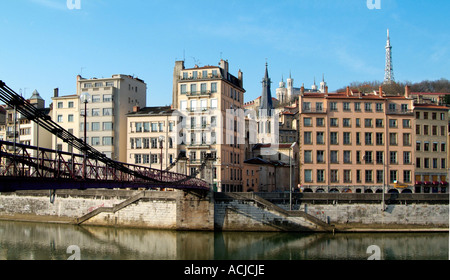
(261, 161)
(153, 111)
(429, 93)
(431, 106)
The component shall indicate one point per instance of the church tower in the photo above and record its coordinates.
(266, 97)
(290, 87)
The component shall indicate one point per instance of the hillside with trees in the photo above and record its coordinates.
(397, 88)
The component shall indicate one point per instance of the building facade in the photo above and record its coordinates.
(209, 101)
(356, 142)
(431, 148)
(110, 99)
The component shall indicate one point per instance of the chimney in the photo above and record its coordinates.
(326, 89)
(56, 92)
(380, 89)
(302, 90)
(136, 109)
(407, 91)
(348, 91)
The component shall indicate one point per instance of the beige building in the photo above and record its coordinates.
(110, 99)
(152, 139)
(27, 132)
(356, 142)
(431, 148)
(209, 101)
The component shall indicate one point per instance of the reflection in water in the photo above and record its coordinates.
(29, 241)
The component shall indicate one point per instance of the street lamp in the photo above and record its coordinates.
(85, 98)
(290, 174)
(161, 139)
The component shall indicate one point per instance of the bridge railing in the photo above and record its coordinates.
(28, 161)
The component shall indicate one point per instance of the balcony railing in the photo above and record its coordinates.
(399, 112)
(314, 110)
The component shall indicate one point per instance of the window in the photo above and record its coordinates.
(107, 112)
(393, 139)
(334, 122)
(193, 88)
(138, 126)
(418, 146)
(154, 142)
(435, 163)
(319, 107)
(320, 157)
(334, 157)
(96, 98)
(406, 139)
(369, 178)
(334, 138)
(107, 141)
(347, 138)
(334, 176)
(393, 123)
(183, 89)
(95, 141)
(368, 157)
(406, 123)
(379, 123)
(347, 157)
(357, 106)
(379, 139)
(60, 118)
(307, 139)
(380, 175)
(406, 157)
(426, 163)
(333, 106)
(346, 106)
(71, 104)
(137, 159)
(320, 138)
(380, 157)
(346, 122)
(213, 103)
(379, 107)
(203, 88)
(347, 176)
(308, 157)
(368, 138)
(183, 105)
(95, 126)
(213, 87)
(320, 122)
(95, 112)
(307, 122)
(393, 157)
(308, 176)
(407, 176)
(368, 107)
(393, 176)
(368, 122)
(60, 105)
(320, 176)
(154, 127)
(70, 118)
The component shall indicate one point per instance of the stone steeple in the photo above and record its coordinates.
(266, 97)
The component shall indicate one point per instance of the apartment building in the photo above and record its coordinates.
(108, 102)
(431, 148)
(152, 139)
(356, 142)
(209, 101)
(26, 132)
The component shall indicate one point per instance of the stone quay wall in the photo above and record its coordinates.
(184, 210)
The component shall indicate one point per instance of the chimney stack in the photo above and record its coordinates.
(348, 91)
(136, 109)
(380, 89)
(407, 91)
(56, 92)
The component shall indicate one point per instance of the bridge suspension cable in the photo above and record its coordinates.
(14, 100)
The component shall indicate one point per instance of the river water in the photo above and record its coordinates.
(35, 241)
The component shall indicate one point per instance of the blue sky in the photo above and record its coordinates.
(46, 45)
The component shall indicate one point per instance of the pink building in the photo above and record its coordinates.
(356, 142)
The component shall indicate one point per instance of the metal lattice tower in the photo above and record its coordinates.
(389, 71)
